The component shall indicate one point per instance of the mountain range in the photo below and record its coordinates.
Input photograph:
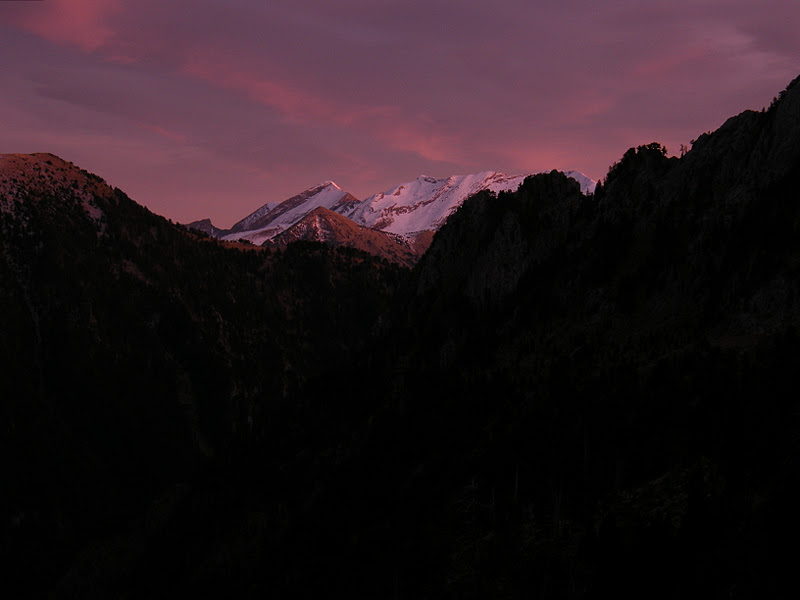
(407, 210)
(568, 396)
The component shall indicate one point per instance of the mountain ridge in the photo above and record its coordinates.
(426, 202)
(431, 205)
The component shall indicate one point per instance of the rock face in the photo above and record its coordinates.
(207, 227)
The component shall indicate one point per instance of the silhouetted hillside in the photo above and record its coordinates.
(615, 376)
(137, 357)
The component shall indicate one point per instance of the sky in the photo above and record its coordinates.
(211, 108)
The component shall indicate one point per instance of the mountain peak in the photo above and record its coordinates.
(331, 228)
(271, 219)
(407, 209)
(427, 202)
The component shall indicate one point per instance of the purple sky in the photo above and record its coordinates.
(210, 108)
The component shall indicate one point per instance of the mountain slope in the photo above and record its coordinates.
(640, 350)
(32, 176)
(328, 227)
(140, 365)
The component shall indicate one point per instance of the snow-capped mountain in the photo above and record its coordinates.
(407, 209)
(426, 202)
(273, 218)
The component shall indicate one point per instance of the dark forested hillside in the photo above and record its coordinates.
(136, 357)
(616, 376)
(569, 396)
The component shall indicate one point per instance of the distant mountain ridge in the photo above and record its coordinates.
(407, 209)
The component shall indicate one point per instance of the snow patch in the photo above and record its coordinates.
(427, 202)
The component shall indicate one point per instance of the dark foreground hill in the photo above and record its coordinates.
(137, 359)
(570, 396)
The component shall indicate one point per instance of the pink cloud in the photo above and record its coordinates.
(382, 122)
(302, 92)
(82, 23)
(291, 102)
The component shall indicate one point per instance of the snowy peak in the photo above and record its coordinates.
(427, 202)
(273, 218)
(420, 205)
(262, 216)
